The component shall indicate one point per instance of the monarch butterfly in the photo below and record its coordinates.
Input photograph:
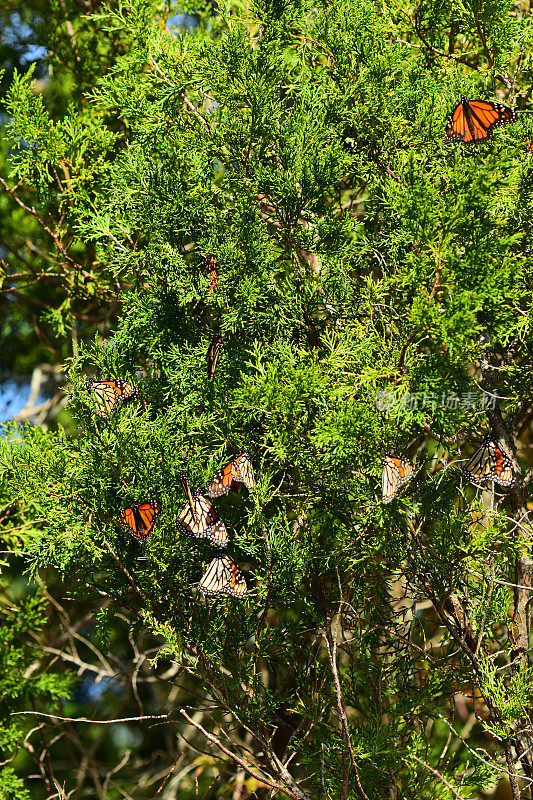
(188, 494)
(473, 122)
(232, 476)
(109, 393)
(213, 353)
(202, 521)
(489, 463)
(397, 471)
(140, 520)
(223, 576)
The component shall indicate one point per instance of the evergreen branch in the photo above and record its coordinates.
(437, 774)
(54, 236)
(481, 33)
(265, 744)
(523, 563)
(502, 583)
(469, 647)
(416, 25)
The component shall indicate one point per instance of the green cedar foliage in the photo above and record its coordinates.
(48, 276)
(299, 149)
(22, 687)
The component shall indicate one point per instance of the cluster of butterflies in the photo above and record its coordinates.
(471, 122)
(489, 463)
(198, 518)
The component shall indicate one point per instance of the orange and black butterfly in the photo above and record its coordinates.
(213, 353)
(232, 476)
(202, 521)
(489, 463)
(397, 471)
(109, 393)
(529, 144)
(139, 520)
(474, 121)
(223, 576)
(187, 489)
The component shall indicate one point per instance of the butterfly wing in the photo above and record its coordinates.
(494, 464)
(139, 520)
(105, 396)
(206, 525)
(222, 481)
(242, 470)
(456, 125)
(502, 472)
(397, 471)
(109, 393)
(149, 512)
(223, 576)
(213, 353)
(487, 116)
(129, 521)
(126, 391)
(479, 468)
(475, 121)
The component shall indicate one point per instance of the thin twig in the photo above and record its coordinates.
(92, 721)
(437, 774)
(332, 650)
(238, 759)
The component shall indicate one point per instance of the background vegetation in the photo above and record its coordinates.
(275, 171)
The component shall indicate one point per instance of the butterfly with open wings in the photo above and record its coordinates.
(472, 122)
(139, 520)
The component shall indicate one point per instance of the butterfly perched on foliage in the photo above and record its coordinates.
(397, 471)
(232, 476)
(139, 520)
(489, 463)
(202, 521)
(223, 576)
(213, 353)
(474, 121)
(109, 393)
